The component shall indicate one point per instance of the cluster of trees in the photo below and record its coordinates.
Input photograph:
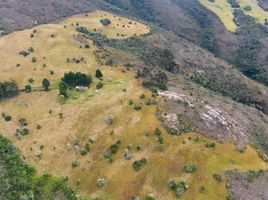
(72, 79)
(247, 55)
(234, 3)
(8, 89)
(77, 79)
(151, 80)
(20, 181)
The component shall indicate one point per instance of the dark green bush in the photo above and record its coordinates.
(105, 22)
(138, 164)
(99, 85)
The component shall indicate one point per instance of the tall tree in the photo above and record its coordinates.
(46, 84)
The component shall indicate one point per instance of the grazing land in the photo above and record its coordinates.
(95, 136)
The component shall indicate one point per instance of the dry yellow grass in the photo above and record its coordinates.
(225, 12)
(84, 118)
(119, 28)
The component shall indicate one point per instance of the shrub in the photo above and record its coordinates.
(74, 164)
(99, 85)
(151, 102)
(24, 53)
(101, 182)
(8, 118)
(8, 89)
(61, 115)
(45, 84)
(217, 177)
(83, 151)
(30, 80)
(105, 22)
(138, 164)
(142, 96)
(23, 121)
(28, 88)
(31, 49)
(34, 59)
(64, 90)
(131, 102)
(98, 74)
(38, 127)
(178, 187)
(247, 8)
(112, 150)
(157, 132)
(190, 168)
(210, 145)
(202, 189)
(138, 107)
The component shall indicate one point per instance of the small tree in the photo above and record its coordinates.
(105, 22)
(46, 84)
(28, 88)
(63, 89)
(98, 74)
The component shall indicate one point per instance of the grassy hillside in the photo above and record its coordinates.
(225, 11)
(86, 136)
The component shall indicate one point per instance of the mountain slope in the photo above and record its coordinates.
(104, 139)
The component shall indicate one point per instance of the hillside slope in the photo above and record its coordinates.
(106, 138)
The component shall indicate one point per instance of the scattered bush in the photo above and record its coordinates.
(105, 22)
(190, 168)
(178, 187)
(137, 165)
(46, 84)
(131, 102)
(23, 121)
(98, 74)
(202, 189)
(217, 177)
(74, 164)
(211, 145)
(22, 132)
(64, 90)
(24, 53)
(34, 59)
(247, 8)
(8, 118)
(112, 150)
(99, 85)
(28, 88)
(138, 106)
(61, 115)
(101, 182)
(142, 96)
